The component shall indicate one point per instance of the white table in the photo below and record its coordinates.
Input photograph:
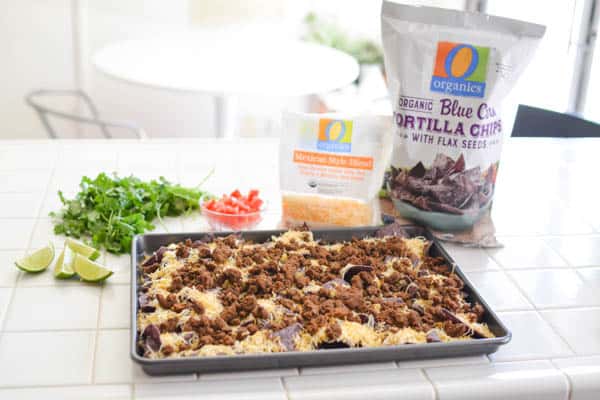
(227, 65)
(69, 340)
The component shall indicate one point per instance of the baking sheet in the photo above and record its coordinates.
(148, 243)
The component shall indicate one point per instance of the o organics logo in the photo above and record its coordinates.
(335, 135)
(460, 69)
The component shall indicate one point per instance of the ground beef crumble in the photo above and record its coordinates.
(304, 282)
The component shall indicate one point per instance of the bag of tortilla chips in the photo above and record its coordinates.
(447, 73)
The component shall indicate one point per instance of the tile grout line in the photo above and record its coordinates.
(567, 267)
(545, 241)
(285, 388)
(133, 383)
(541, 309)
(576, 270)
(105, 254)
(66, 385)
(567, 379)
(520, 289)
(529, 358)
(544, 309)
(537, 311)
(545, 236)
(21, 192)
(20, 274)
(571, 307)
(588, 355)
(65, 283)
(581, 276)
(4, 249)
(436, 393)
(41, 209)
(557, 333)
(96, 337)
(503, 267)
(65, 330)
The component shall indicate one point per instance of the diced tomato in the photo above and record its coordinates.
(236, 208)
(244, 207)
(252, 194)
(255, 203)
(210, 204)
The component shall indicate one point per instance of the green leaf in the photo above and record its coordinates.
(109, 210)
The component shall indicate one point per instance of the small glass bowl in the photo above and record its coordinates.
(232, 222)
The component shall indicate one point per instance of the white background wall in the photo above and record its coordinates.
(35, 51)
(39, 49)
(160, 112)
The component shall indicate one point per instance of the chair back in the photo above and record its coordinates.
(537, 122)
(44, 112)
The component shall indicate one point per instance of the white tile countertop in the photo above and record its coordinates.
(68, 340)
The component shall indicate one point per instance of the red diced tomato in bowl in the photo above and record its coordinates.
(234, 211)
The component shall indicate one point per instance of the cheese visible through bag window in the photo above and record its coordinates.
(331, 168)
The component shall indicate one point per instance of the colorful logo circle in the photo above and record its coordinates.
(335, 131)
(335, 135)
(461, 61)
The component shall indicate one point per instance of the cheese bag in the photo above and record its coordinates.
(447, 74)
(331, 168)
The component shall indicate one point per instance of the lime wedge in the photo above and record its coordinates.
(88, 270)
(37, 261)
(63, 269)
(82, 248)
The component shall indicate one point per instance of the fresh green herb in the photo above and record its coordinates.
(327, 33)
(109, 210)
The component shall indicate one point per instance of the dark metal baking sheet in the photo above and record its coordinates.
(146, 244)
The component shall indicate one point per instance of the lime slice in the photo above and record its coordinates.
(63, 269)
(82, 248)
(88, 270)
(37, 261)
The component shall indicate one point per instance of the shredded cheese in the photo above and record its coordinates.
(209, 300)
(321, 210)
(356, 334)
(352, 333)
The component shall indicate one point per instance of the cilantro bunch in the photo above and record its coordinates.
(110, 210)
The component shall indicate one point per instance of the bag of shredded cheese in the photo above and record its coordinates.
(447, 73)
(331, 168)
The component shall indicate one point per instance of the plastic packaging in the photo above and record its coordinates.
(331, 168)
(447, 73)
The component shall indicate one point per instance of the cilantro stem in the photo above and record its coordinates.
(210, 173)
(160, 220)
